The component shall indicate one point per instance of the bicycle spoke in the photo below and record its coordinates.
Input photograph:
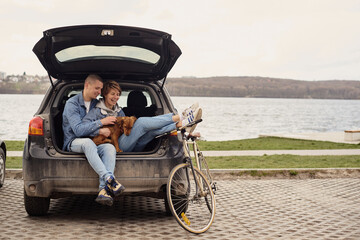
(181, 207)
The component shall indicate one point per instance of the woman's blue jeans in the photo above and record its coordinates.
(101, 158)
(144, 130)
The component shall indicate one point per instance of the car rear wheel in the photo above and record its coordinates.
(36, 206)
(2, 167)
(167, 207)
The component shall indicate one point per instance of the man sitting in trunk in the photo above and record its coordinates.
(102, 158)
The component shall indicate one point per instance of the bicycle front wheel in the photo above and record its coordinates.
(191, 202)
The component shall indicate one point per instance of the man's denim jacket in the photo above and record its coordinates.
(73, 126)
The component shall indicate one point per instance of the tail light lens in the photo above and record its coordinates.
(174, 133)
(36, 126)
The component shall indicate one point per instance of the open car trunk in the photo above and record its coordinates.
(114, 51)
(135, 100)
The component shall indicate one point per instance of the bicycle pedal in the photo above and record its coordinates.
(214, 187)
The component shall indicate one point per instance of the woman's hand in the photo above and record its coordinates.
(108, 120)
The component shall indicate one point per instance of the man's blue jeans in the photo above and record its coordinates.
(144, 130)
(101, 158)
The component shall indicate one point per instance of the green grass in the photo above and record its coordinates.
(14, 145)
(271, 161)
(272, 143)
(13, 162)
(265, 143)
(268, 143)
(283, 161)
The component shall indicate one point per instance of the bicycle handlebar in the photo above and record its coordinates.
(190, 124)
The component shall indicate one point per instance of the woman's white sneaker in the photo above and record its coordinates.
(192, 116)
(190, 110)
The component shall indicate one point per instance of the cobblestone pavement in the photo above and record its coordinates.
(246, 209)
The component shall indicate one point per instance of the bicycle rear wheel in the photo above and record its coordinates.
(193, 210)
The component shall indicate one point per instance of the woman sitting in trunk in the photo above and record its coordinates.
(145, 128)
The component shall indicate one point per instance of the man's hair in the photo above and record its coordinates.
(108, 86)
(92, 78)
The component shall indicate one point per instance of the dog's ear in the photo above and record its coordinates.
(120, 120)
(130, 121)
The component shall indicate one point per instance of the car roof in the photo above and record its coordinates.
(111, 51)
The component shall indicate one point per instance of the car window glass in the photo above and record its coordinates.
(128, 53)
(73, 93)
(124, 96)
(122, 100)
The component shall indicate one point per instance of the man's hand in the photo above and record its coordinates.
(108, 120)
(104, 131)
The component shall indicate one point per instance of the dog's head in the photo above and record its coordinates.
(128, 123)
(119, 123)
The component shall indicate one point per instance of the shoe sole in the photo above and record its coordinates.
(120, 191)
(107, 202)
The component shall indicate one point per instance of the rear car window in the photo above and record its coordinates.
(123, 100)
(128, 53)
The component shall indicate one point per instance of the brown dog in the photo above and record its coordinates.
(122, 125)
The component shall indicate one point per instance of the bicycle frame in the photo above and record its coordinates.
(189, 160)
(191, 140)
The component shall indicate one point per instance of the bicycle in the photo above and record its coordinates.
(190, 188)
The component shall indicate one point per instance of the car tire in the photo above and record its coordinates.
(2, 167)
(167, 207)
(36, 206)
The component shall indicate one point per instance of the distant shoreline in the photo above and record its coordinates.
(260, 87)
(243, 87)
(215, 96)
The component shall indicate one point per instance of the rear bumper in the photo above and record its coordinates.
(57, 175)
(61, 187)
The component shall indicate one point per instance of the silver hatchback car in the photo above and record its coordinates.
(139, 60)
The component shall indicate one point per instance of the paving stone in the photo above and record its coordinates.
(246, 209)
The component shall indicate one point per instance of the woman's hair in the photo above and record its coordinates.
(110, 85)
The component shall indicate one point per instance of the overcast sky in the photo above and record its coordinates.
(297, 39)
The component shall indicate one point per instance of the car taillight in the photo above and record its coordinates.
(36, 126)
(174, 133)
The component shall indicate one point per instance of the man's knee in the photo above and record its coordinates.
(108, 148)
(88, 143)
(82, 145)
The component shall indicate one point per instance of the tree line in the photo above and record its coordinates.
(261, 87)
(255, 87)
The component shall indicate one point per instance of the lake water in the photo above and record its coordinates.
(224, 118)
